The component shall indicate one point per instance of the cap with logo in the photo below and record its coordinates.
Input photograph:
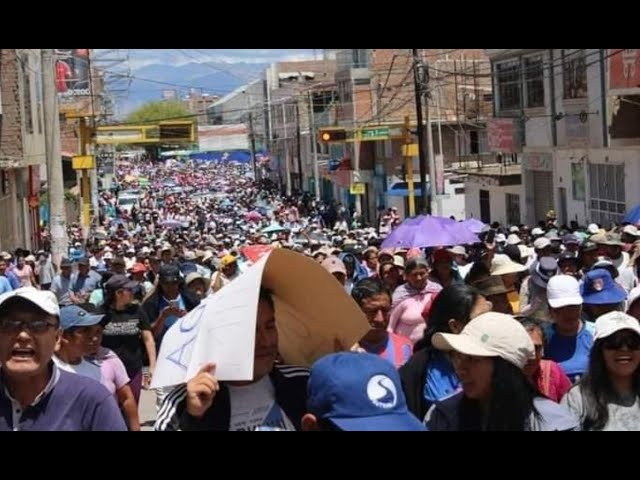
(334, 265)
(359, 391)
(613, 322)
(491, 334)
(74, 316)
(169, 273)
(599, 288)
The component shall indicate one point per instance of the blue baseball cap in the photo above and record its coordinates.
(598, 288)
(359, 391)
(74, 316)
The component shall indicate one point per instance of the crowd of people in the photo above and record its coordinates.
(526, 329)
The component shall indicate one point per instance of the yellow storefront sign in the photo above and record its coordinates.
(83, 162)
(357, 188)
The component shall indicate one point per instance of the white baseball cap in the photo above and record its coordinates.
(563, 290)
(514, 229)
(633, 296)
(500, 238)
(593, 228)
(43, 299)
(612, 322)
(541, 243)
(513, 239)
(537, 231)
(631, 230)
(491, 334)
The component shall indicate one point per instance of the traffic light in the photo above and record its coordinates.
(332, 135)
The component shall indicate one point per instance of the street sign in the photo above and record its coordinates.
(357, 188)
(374, 133)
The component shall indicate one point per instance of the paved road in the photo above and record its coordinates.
(147, 409)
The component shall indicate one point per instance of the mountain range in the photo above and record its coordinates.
(149, 81)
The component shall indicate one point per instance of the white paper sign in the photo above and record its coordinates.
(220, 330)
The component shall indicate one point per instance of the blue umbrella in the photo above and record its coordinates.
(275, 228)
(633, 216)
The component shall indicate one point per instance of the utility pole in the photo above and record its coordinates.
(408, 167)
(314, 147)
(57, 213)
(300, 176)
(287, 166)
(252, 138)
(417, 83)
(356, 149)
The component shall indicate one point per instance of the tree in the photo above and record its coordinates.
(152, 112)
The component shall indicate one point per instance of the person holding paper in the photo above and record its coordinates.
(275, 398)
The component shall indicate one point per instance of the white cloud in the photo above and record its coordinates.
(143, 57)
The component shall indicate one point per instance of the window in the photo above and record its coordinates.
(360, 58)
(473, 142)
(458, 191)
(26, 83)
(485, 206)
(513, 208)
(574, 74)
(607, 193)
(577, 182)
(508, 79)
(534, 81)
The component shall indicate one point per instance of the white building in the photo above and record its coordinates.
(579, 129)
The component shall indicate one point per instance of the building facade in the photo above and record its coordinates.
(22, 147)
(576, 114)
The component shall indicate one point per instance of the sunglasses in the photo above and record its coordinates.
(617, 342)
(8, 325)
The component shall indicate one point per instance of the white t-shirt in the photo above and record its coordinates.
(84, 368)
(254, 406)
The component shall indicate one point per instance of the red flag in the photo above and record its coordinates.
(256, 252)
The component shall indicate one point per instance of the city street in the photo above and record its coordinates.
(147, 409)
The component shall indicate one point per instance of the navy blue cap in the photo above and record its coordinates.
(359, 391)
(74, 316)
(599, 288)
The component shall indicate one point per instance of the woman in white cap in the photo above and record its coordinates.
(607, 396)
(489, 356)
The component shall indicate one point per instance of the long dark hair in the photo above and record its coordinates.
(597, 389)
(510, 406)
(453, 302)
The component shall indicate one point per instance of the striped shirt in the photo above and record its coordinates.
(290, 385)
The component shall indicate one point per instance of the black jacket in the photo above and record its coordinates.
(290, 383)
(413, 375)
